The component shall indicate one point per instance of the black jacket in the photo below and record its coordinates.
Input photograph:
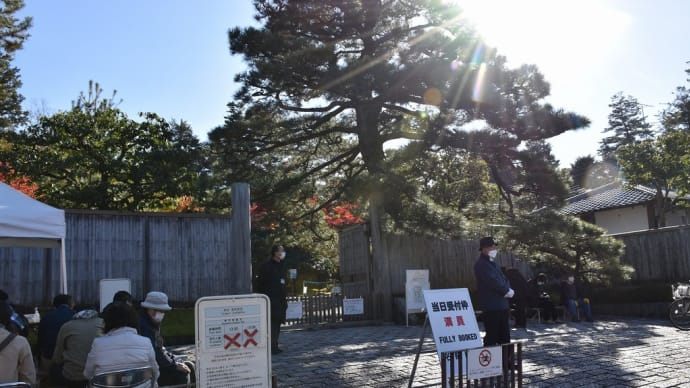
(271, 282)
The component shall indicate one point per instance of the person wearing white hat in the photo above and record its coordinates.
(153, 310)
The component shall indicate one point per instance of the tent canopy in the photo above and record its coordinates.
(26, 222)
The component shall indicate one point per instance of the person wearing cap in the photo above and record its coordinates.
(153, 310)
(493, 291)
(271, 282)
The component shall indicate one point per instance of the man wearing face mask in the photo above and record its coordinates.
(271, 282)
(153, 310)
(494, 291)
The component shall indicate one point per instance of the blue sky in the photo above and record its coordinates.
(171, 57)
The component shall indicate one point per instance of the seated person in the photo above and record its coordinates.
(74, 342)
(172, 372)
(48, 330)
(543, 300)
(121, 347)
(18, 323)
(120, 296)
(571, 299)
(123, 296)
(16, 360)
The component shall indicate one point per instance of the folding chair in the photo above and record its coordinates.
(125, 378)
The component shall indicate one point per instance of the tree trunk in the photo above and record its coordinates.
(371, 147)
(660, 209)
(380, 273)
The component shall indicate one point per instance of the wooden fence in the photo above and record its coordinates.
(322, 309)
(185, 255)
(658, 254)
(661, 255)
(450, 264)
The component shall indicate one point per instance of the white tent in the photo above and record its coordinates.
(26, 222)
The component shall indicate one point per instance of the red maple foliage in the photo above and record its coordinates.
(257, 214)
(19, 183)
(341, 215)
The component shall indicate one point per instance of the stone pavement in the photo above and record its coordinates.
(607, 353)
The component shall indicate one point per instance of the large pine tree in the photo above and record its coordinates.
(628, 124)
(330, 82)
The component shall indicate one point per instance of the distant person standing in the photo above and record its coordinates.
(271, 282)
(494, 291)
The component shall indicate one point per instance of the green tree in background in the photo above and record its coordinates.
(94, 157)
(628, 123)
(330, 82)
(676, 117)
(13, 32)
(567, 244)
(663, 164)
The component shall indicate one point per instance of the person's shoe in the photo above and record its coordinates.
(276, 351)
(590, 320)
(576, 320)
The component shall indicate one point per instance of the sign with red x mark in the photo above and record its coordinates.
(232, 340)
(250, 337)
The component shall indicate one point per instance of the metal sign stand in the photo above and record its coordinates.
(419, 351)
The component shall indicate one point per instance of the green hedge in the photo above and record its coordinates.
(179, 322)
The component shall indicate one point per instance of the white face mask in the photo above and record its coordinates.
(158, 316)
(282, 255)
(492, 254)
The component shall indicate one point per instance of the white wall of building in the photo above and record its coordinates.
(627, 219)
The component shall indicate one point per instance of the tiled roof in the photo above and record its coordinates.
(609, 196)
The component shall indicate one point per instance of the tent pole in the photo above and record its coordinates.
(63, 268)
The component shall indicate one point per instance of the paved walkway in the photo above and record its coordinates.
(606, 353)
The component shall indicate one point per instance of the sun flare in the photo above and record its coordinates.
(562, 35)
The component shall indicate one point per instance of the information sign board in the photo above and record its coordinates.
(294, 310)
(484, 362)
(453, 323)
(353, 306)
(108, 288)
(233, 341)
(416, 281)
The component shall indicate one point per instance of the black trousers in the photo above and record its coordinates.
(520, 314)
(77, 383)
(275, 333)
(497, 326)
